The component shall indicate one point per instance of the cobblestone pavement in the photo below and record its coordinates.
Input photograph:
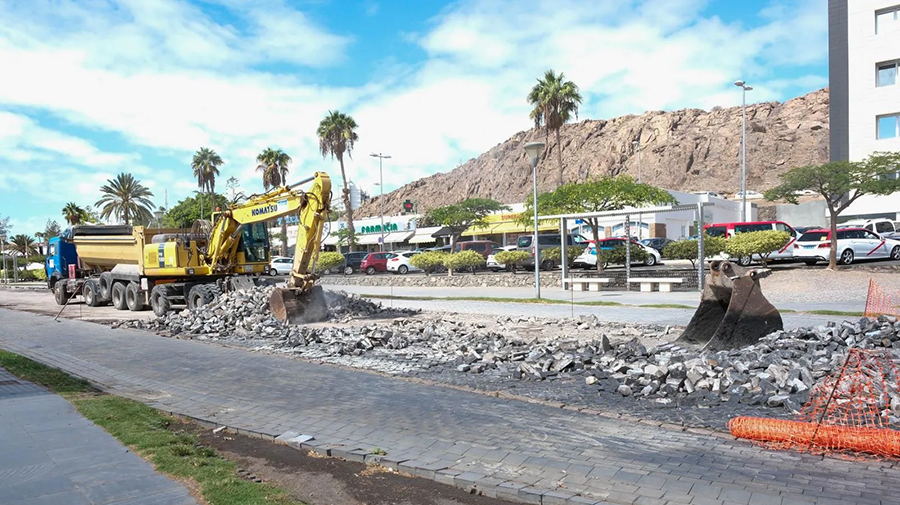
(50, 454)
(528, 452)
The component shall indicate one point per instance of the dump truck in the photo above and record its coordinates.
(134, 267)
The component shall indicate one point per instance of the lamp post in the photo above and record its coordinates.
(381, 157)
(3, 254)
(640, 150)
(744, 90)
(534, 149)
(159, 215)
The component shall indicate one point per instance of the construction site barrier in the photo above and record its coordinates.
(850, 412)
(881, 301)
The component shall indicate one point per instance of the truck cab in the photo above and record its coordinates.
(60, 254)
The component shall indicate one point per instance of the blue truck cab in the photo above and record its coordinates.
(60, 254)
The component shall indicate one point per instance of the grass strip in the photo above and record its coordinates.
(149, 433)
(666, 306)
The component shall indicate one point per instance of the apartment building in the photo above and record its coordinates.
(864, 83)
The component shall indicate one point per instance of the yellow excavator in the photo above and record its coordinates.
(133, 267)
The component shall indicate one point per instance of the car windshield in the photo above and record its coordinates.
(524, 242)
(814, 236)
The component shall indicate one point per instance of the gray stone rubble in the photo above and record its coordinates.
(610, 360)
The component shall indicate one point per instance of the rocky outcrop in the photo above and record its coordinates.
(687, 150)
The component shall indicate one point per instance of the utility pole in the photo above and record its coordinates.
(381, 157)
(744, 90)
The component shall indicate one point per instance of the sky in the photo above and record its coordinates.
(93, 88)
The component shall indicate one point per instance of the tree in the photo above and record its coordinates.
(73, 214)
(90, 215)
(555, 254)
(273, 163)
(23, 245)
(345, 238)
(600, 195)
(460, 216)
(762, 243)
(513, 259)
(186, 211)
(687, 249)
(463, 259)
(840, 183)
(555, 100)
(4, 226)
(329, 261)
(51, 229)
(337, 135)
(429, 261)
(232, 184)
(206, 165)
(125, 199)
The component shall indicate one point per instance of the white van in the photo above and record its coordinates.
(883, 227)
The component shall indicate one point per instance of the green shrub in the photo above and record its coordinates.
(464, 260)
(687, 249)
(329, 261)
(616, 256)
(554, 253)
(512, 259)
(429, 261)
(762, 243)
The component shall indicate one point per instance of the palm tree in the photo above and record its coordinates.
(73, 213)
(554, 100)
(206, 165)
(336, 136)
(126, 199)
(273, 163)
(23, 245)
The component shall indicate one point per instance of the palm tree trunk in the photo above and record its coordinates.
(212, 197)
(559, 157)
(348, 210)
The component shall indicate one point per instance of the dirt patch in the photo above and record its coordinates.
(329, 481)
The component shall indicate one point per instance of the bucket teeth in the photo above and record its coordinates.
(299, 306)
(733, 311)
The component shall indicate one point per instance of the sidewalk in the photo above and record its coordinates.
(528, 452)
(51, 455)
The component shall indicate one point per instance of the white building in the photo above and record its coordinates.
(864, 84)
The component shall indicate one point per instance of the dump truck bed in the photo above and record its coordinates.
(103, 247)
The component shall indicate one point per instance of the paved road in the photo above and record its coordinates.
(529, 452)
(50, 454)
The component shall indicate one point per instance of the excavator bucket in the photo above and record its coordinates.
(298, 305)
(733, 311)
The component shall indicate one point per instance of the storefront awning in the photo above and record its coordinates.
(330, 240)
(424, 235)
(509, 227)
(395, 237)
(368, 239)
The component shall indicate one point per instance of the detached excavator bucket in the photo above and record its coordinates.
(299, 305)
(733, 311)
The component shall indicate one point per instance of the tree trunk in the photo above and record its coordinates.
(596, 233)
(348, 210)
(284, 239)
(212, 198)
(559, 158)
(452, 245)
(832, 253)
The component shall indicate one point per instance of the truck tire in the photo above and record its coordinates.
(202, 294)
(133, 297)
(117, 293)
(105, 282)
(60, 293)
(90, 291)
(159, 301)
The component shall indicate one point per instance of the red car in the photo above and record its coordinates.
(375, 262)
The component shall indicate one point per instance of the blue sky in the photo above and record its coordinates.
(92, 88)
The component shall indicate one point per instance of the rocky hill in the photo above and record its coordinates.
(688, 150)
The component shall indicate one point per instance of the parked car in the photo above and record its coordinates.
(280, 265)
(711, 194)
(852, 244)
(588, 259)
(399, 263)
(728, 230)
(492, 263)
(883, 227)
(658, 243)
(482, 247)
(751, 195)
(352, 262)
(546, 241)
(375, 262)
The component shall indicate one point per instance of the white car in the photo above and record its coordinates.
(280, 265)
(492, 264)
(588, 259)
(751, 195)
(399, 264)
(852, 244)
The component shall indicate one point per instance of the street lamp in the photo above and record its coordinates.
(744, 90)
(381, 157)
(534, 149)
(640, 150)
(159, 215)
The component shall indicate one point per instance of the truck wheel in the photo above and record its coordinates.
(159, 301)
(60, 293)
(133, 297)
(90, 293)
(105, 282)
(202, 294)
(118, 296)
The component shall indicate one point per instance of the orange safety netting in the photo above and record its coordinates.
(880, 301)
(848, 412)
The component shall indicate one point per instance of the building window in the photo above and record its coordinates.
(887, 74)
(887, 19)
(888, 126)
